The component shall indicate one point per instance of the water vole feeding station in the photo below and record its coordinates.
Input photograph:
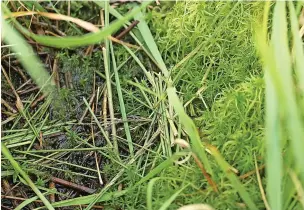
(189, 105)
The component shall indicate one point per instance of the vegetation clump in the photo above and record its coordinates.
(134, 105)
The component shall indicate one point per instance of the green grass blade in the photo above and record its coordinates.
(106, 60)
(233, 179)
(159, 168)
(297, 47)
(167, 203)
(273, 146)
(147, 73)
(190, 128)
(149, 40)
(77, 41)
(121, 103)
(280, 97)
(283, 63)
(110, 98)
(87, 199)
(149, 193)
(27, 57)
(141, 87)
(272, 135)
(18, 169)
(26, 202)
(273, 139)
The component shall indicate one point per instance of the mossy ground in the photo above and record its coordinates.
(228, 111)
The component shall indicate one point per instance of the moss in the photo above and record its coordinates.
(235, 123)
(226, 38)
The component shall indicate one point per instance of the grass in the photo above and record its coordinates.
(18, 169)
(199, 103)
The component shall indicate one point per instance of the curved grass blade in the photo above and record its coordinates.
(26, 202)
(160, 167)
(77, 41)
(149, 193)
(26, 55)
(167, 203)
